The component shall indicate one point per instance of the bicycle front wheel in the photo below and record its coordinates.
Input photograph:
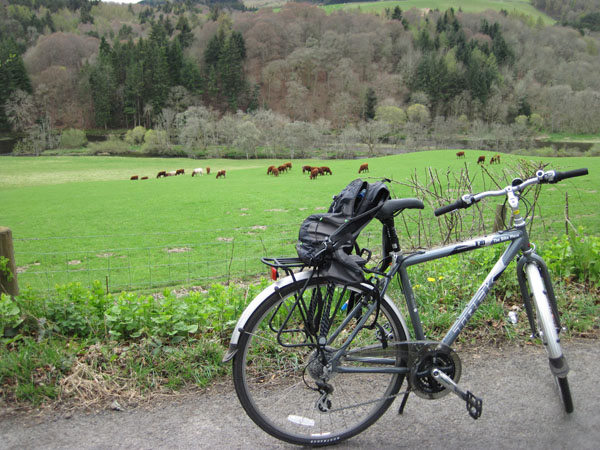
(549, 335)
(285, 383)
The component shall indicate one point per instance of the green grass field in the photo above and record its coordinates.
(81, 218)
(473, 6)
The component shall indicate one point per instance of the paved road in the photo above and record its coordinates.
(521, 411)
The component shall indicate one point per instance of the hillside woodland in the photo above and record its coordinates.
(178, 66)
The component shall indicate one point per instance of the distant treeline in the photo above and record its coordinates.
(130, 63)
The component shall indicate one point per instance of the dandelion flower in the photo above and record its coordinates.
(431, 280)
(440, 277)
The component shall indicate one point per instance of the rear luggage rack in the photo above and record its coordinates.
(287, 264)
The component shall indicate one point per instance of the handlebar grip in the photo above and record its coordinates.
(569, 174)
(458, 204)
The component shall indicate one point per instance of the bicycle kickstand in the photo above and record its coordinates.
(474, 404)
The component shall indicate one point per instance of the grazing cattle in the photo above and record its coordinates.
(134, 177)
(172, 173)
(460, 154)
(180, 172)
(495, 159)
(323, 170)
(270, 170)
(221, 173)
(288, 165)
(363, 168)
(162, 173)
(197, 171)
(275, 171)
(314, 173)
(144, 178)
(306, 169)
(282, 168)
(208, 171)
(481, 160)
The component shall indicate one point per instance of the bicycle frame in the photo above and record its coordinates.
(519, 241)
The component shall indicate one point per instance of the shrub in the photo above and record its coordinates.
(72, 138)
(156, 142)
(113, 146)
(135, 136)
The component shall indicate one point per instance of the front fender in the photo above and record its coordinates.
(270, 290)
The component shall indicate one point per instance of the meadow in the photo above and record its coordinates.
(82, 219)
(472, 6)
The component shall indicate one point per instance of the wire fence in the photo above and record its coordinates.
(183, 258)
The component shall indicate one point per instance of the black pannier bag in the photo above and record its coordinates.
(326, 241)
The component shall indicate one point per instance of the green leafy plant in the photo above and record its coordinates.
(10, 314)
(575, 257)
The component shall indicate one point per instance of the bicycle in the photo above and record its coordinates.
(317, 360)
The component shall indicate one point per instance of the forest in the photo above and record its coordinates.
(86, 64)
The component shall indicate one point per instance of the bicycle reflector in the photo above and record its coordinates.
(274, 274)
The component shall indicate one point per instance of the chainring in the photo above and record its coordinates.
(433, 355)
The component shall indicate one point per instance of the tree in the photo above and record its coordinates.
(395, 117)
(418, 113)
(247, 137)
(370, 104)
(13, 77)
(20, 110)
(372, 133)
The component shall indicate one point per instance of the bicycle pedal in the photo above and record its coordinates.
(474, 405)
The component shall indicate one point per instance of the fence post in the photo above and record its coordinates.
(500, 218)
(8, 281)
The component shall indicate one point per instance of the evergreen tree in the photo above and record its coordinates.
(370, 104)
(13, 76)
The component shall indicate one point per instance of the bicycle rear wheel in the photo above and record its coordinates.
(281, 382)
(549, 335)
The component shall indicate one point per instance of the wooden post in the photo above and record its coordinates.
(500, 218)
(8, 281)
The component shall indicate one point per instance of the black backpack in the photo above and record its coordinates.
(326, 240)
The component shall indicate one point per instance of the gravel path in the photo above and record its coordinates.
(521, 409)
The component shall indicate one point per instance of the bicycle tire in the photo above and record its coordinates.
(274, 383)
(549, 332)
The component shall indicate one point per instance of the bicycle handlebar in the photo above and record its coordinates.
(559, 176)
(550, 176)
(458, 204)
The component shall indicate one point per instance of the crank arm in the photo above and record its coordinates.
(474, 404)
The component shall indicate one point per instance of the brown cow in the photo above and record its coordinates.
(283, 168)
(162, 173)
(275, 171)
(288, 165)
(270, 170)
(481, 160)
(144, 178)
(495, 159)
(221, 173)
(363, 168)
(134, 177)
(324, 169)
(314, 173)
(208, 171)
(306, 169)
(460, 154)
(180, 172)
